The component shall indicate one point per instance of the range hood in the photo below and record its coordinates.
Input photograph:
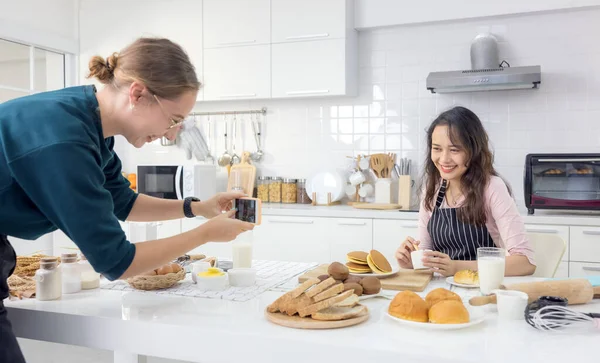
(487, 73)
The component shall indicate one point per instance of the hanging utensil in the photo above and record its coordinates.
(225, 159)
(235, 159)
(258, 154)
(209, 139)
(203, 144)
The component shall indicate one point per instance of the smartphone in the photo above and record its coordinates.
(248, 210)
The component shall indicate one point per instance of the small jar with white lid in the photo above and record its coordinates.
(90, 279)
(71, 273)
(48, 280)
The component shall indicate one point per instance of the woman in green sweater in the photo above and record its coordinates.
(58, 169)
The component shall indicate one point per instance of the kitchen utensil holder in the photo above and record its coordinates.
(383, 191)
(357, 199)
(404, 191)
(329, 202)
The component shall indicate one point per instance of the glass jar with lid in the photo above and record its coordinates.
(262, 188)
(71, 273)
(48, 280)
(301, 194)
(288, 191)
(275, 190)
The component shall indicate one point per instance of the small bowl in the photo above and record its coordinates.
(242, 277)
(511, 304)
(212, 282)
(197, 267)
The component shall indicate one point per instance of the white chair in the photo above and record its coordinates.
(549, 249)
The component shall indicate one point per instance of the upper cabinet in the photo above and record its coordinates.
(178, 20)
(294, 20)
(236, 22)
(237, 73)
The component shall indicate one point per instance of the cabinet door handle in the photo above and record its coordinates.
(588, 268)
(352, 223)
(308, 36)
(238, 95)
(308, 92)
(541, 230)
(238, 42)
(413, 225)
(592, 233)
(291, 221)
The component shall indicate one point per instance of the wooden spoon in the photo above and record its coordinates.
(377, 164)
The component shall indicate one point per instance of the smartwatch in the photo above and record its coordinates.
(187, 206)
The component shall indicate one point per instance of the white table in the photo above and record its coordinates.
(208, 330)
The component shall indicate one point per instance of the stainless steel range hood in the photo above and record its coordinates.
(486, 73)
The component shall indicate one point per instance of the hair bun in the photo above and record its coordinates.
(103, 69)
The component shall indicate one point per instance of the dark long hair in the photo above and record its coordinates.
(464, 129)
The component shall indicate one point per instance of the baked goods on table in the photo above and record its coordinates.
(340, 273)
(440, 306)
(467, 277)
(360, 262)
(319, 300)
(160, 278)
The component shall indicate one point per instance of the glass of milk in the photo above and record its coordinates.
(490, 264)
(242, 250)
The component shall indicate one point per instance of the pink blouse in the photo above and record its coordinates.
(504, 223)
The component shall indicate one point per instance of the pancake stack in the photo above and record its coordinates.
(360, 262)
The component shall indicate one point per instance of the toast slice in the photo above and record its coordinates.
(311, 309)
(339, 313)
(322, 286)
(290, 295)
(349, 302)
(332, 291)
(291, 307)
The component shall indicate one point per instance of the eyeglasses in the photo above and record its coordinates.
(174, 123)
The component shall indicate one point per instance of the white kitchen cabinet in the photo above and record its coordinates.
(562, 272)
(314, 69)
(348, 234)
(328, 19)
(237, 73)
(177, 20)
(298, 239)
(562, 231)
(215, 249)
(167, 229)
(388, 234)
(585, 244)
(236, 22)
(580, 269)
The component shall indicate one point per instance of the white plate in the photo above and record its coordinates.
(326, 182)
(476, 317)
(450, 280)
(394, 271)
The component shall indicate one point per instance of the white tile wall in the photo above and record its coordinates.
(393, 107)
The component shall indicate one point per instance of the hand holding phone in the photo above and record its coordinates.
(248, 210)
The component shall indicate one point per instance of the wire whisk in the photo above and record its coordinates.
(557, 318)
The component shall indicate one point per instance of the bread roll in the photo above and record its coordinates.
(409, 306)
(467, 277)
(440, 294)
(449, 312)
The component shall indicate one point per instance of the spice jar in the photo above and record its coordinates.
(275, 190)
(301, 194)
(48, 279)
(90, 279)
(71, 273)
(262, 188)
(288, 191)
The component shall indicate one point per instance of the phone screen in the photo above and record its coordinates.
(245, 210)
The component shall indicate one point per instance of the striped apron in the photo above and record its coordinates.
(452, 237)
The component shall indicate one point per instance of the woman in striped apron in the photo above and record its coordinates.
(465, 204)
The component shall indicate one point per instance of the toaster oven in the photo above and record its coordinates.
(562, 181)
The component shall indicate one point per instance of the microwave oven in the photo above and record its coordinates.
(562, 181)
(177, 181)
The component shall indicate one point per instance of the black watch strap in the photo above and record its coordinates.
(187, 206)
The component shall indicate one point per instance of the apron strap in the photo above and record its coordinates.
(441, 194)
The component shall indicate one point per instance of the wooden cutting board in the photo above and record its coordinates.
(297, 322)
(404, 280)
(379, 206)
(246, 173)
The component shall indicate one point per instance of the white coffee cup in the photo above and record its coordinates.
(511, 304)
(417, 259)
(366, 190)
(357, 178)
(364, 163)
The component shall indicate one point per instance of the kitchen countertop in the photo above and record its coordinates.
(210, 330)
(346, 211)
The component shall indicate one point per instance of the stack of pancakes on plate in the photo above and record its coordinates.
(360, 262)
